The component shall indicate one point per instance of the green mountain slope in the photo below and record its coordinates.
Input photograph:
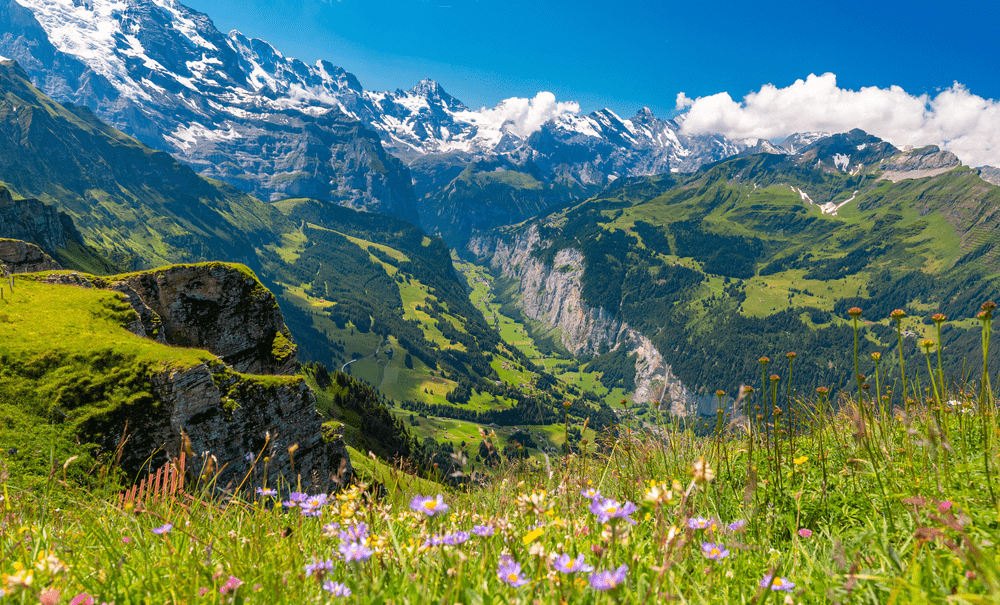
(762, 255)
(361, 292)
(362, 278)
(488, 193)
(140, 206)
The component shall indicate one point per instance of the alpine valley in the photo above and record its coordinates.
(238, 243)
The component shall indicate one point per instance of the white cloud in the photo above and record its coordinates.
(955, 119)
(683, 102)
(526, 115)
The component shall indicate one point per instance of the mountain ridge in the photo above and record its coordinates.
(163, 73)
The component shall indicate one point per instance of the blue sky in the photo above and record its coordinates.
(630, 53)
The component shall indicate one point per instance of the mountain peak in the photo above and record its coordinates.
(763, 146)
(432, 91)
(428, 87)
(848, 152)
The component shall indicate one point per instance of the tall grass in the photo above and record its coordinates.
(873, 496)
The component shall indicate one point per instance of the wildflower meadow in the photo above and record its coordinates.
(882, 491)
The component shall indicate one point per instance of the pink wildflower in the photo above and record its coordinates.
(231, 585)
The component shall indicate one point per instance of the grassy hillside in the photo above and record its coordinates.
(859, 505)
(139, 206)
(740, 257)
(69, 366)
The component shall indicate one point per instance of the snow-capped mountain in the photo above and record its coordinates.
(232, 109)
(238, 110)
(800, 140)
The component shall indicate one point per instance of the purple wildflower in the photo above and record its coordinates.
(737, 525)
(805, 533)
(776, 584)
(166, 527)
(590, 493)
(312, 506)
(483, 531)
(355, 532)
(248, 457)
(266, 493)
(566, 564)
(337, 589)
(607, 509)
(714, 551)
(429, 505)
(330, 527)
(355, 551)
(510, 572)
(434, 540)
(294, 499)
(455, 538)
(606, 580)
(318, 567)
(698, 523)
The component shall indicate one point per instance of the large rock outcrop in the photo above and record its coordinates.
(245, 403)
(22, 257)
(919, 163)
(214, 306)
(51, 231)
(32, 221)
(553, 295)
(221, 418)
(990, 174)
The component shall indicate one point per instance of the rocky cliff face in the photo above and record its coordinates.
(218, 307)
(45, 231)
(919, 163)
(221, 417)
(221, 411)
(22, 257)
(553, 295)
(990, 174)
(33, 221)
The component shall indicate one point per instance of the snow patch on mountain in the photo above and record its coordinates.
(89, 31)
(841, 161)
(183, 23)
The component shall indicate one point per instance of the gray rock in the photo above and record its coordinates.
(220, 411)
(218, 307)
(32, 221)
(990, 174)
(22, 257)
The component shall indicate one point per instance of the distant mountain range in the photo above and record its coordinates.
(237, 110)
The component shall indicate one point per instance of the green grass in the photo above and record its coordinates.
(67, 366)
(847, 511)
(399, 484)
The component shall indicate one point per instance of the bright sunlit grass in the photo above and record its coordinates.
(886, 499)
